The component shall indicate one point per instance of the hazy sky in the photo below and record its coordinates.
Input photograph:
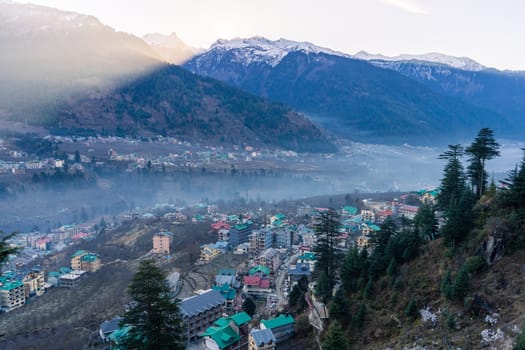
(491, 32)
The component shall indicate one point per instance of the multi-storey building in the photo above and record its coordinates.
(200, 312)
(271, 258)
(282, 327)
(12, 294)
(260, 240)
(34, 283)
(161, 243)
(85, 261)
(228, 333)
(240, 234)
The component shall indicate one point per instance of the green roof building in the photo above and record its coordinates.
(228, 332)
(282, 327)
(261, 269)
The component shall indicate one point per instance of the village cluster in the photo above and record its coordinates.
(277, 250)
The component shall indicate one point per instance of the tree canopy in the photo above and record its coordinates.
(154, 318)
(483, 148)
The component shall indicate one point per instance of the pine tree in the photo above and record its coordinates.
(461, 283)
(328, 255)
(446, 286)
(515, 196)
(335, 338)
(339, 307)
(249, 306)
(323, 287)
(425, 222)
(483, 148)
(154, 319)
(5, 248)
(360, 317)
(391, 270)
(453, 184)
(411, 309)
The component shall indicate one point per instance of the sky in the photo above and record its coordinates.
(490, 32)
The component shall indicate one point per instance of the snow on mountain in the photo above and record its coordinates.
(170, 47)
(463, 63)
(271, 52)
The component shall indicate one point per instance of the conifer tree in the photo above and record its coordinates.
(5, 249)
(483, 148)
(461, 283)
(339, 307)
(328, 255)
(154, 319)
(425, 222)
(446, 286)
(411, 309)
(335, 338)
(359, 318)
(453, 184)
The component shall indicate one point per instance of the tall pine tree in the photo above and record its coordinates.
(483, 148)
(154, 318)
(328, 255)
(453, 183)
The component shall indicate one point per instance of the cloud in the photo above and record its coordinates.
(408, 5)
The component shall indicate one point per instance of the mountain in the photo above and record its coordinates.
(499, 91)
(463, 63)
(350, 97)
(173, 102)
(170, 47)
(48, 54)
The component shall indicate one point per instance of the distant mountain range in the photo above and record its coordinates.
(70, 72)
(351, 97)
(170, 47)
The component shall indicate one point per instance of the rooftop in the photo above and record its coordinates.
(200, 303)
(79, 253)
(279, 321)
(259, 268)
(262, 336)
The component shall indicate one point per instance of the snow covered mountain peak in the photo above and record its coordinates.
(259, 49)
(463, 63)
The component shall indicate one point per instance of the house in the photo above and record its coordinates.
(34, 283)
(349, 211)
(285, 237)
(261, 339)
(226, 277)
(408, 211)
(211, 251)
(200, 311)
(162, 243)
(256, 285)
(278, 220)
(307, 258)
(228, 293)
(362, 241)
(90, 262)
(271, 258)
(282, 327)
(259, 270)
(108, 327)
(221, 225)
(368, 215)
(228, 333)
(12, 294)
(76, 263)
(72, 279)
(382, 215)
(43, 243)
(296, 272)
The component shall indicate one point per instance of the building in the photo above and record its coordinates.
(76, 262)
(362, 241)
(12, 294)
(108, 327)
(90, 262)
(408, 211)
(261, 339)
(349, 211)
(285, 237)
(200, 311)
(228, 333)
(34, 283)
(278, 220)
(162, 243)
(72, 279)
(296, 272)
(368, 215)
(271, 258)
(282, 327)
(257, 285)
(211, 251)
(240, 233)
(307, 258)
(43, 243)
(260, 240)
(228, 293)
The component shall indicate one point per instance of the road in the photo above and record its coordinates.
(282, 300)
